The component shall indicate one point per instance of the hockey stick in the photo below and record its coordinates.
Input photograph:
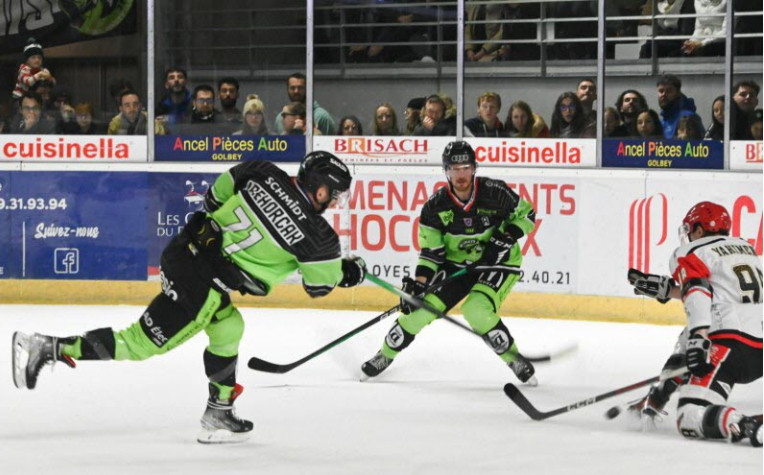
(258, 364)
(518, 398)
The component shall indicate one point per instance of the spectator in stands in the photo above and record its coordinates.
(31, 119)
(64, 112)
(575, 30)
(648, 125)
(293, 119)
(44, 89)
(587, 94)
(629, 104)
(401, 25)
(228, 92)
(176, 102)
(487, 123)
(511, 49)
(413, 114)
(31, 71)
(708, 37)
(673, 26)
(296, 87)
(385, 120)
(756, 131)
(203, 118)
(83, 114)
(613, 125)
(745, 98)
(350, 125)
(253, 117)
(674, 105)
(132, 119)
(483, 30)
(434, 122)
(716, 130)
(568, 119)
(117, 87)
(522, 122)
(689, 128)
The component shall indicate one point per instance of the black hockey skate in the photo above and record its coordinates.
(524, 370)
(747, 428)
(376, 365)
(650, 408)
(220, 425)
(32, 352)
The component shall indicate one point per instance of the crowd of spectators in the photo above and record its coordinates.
(43, 109)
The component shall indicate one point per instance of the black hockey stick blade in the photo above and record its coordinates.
(552, 355)
(525, 405)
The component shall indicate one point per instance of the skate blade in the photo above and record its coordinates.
(221, 436)
(19, 349)
(532, 381)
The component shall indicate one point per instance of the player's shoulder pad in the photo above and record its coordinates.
(498, 190)
(255, 169)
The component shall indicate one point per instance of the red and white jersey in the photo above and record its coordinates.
(721, 282)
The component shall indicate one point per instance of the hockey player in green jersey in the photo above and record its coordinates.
(472, 220)
(260, 226)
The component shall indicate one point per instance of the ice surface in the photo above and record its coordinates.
(438, 409)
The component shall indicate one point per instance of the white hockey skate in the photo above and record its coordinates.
(220, 425)
(30, 353)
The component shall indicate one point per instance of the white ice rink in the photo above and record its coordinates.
(439, 409)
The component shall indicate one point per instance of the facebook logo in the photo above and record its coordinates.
(66, 260)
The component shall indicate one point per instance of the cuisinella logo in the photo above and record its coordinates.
(559, 152)
(648, 220)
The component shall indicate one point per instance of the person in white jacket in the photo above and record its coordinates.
(708, 37)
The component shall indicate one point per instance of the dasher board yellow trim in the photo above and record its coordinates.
(535, 305)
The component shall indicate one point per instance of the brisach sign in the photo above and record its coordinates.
(746, 155)
(488, 151)
(74, 148)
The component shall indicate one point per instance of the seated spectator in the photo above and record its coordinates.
(648, 125)
(64, 112)
(253, 117)
(689, 128)
(522, 122)
(293, 119)
(203, 118)
(487, 123)
(296, 88)
(117, 87)
(745, 98)
(228, 92)
(385, 121)
(83, 114)
(629, 104)
(716, 130)
(350, 125)
(511, 50)
(483, 30)
(434, 122)
(673, 103)
(44, 89)
(132, 119)
(613, 125)
(31, 119)
(31, 71)
(176, 102)
(756, 132)
(674, 26)
(413, 114)
(568, 119)
(587, 94)
(708, 37)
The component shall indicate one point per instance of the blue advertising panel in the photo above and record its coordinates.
(5, 226)
(225, 148)
(646, 153)
(173, 198)
(74, 225)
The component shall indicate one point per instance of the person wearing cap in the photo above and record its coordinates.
(253, 117)
(31, 70)
(413, 114)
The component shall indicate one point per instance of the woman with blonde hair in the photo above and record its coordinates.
(253, 117)
(385, 120)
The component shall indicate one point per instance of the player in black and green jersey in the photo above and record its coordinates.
(472, 220)
(260, 226)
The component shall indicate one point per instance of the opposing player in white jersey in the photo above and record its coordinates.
(719, 279)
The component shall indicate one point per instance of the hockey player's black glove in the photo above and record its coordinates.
(353, 271)
(411, 287)
(204, 232)
(497, 249)
(697, 352)
(652, 285)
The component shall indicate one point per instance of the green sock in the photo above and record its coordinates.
(73, 350)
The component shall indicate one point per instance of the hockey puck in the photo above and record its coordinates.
(613, 412)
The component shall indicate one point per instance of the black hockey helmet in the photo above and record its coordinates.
(323, 168)
(457, 153)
